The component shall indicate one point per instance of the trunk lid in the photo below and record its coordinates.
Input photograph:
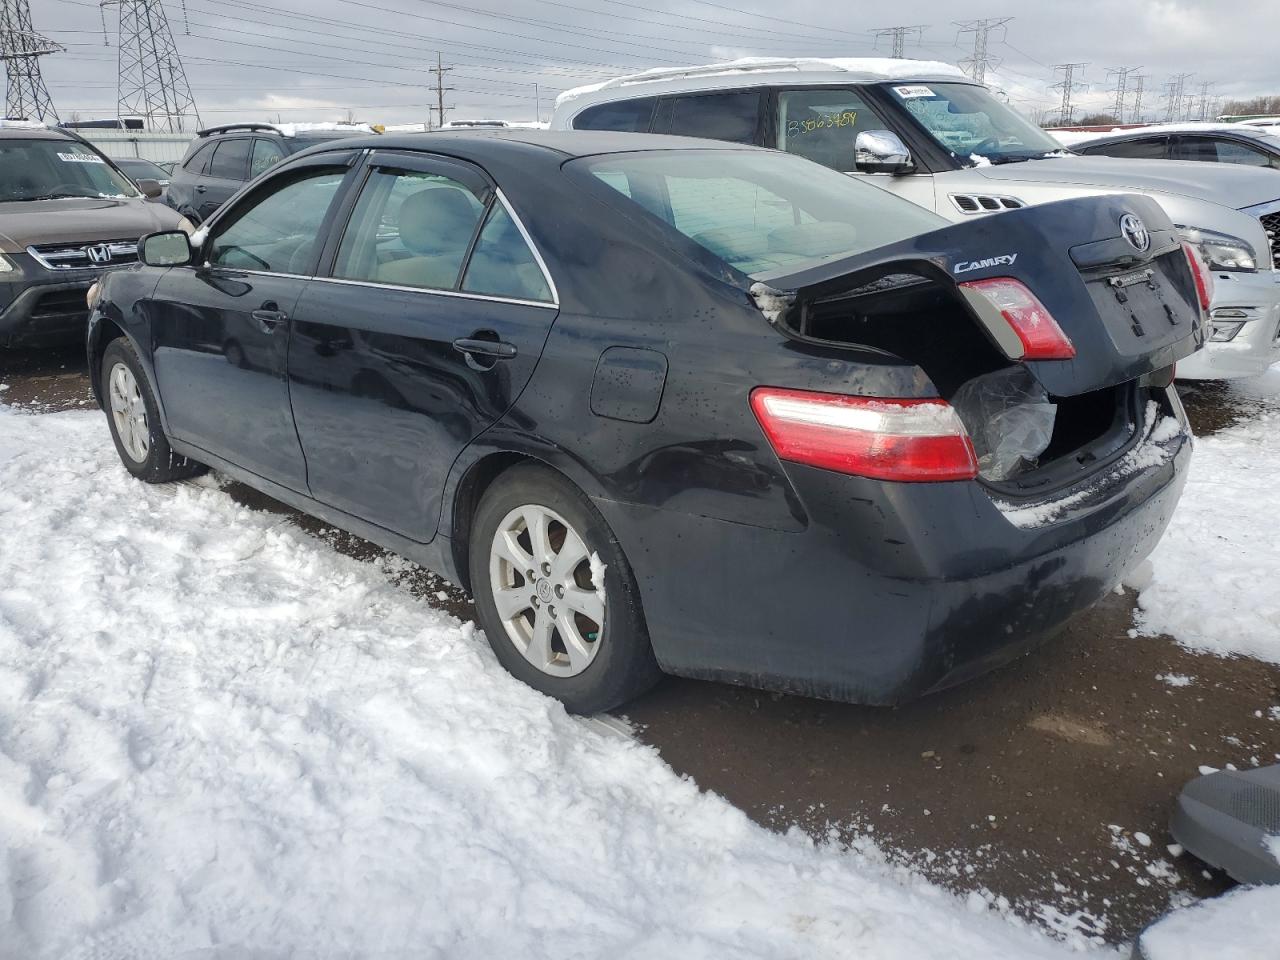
(1128, 310)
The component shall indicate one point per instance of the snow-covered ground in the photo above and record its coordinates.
(1215, 577)
(221, 740)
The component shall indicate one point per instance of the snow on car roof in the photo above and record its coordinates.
(857, 68)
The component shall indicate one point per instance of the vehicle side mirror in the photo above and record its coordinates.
(149, 188)
(171, 248)
(881, 151)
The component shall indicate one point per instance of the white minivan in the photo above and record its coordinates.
(927, 132)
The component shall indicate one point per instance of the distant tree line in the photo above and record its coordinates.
(1245, 108)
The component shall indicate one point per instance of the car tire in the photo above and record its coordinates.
(134, 419)
(552, 649)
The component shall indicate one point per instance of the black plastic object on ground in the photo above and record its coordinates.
(1231, 820)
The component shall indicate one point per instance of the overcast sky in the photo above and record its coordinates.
(317, 59)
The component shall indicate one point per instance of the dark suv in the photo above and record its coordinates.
(67, 214)
(222, 159)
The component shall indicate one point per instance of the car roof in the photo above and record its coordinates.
(35, 133)
(478, 143)
(755, 72)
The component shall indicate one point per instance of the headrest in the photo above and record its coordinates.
(438, 220)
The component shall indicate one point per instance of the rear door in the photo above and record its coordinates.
(431, 318)
(226, 174)
(221, 329)
(1218, 150)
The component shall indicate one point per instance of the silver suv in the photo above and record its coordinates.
(926, 132)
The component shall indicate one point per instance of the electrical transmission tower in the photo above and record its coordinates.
(1204, 99)
(152, 82)
(976, 65)
(26, 96)
(899, 36)
(1068, 85)
(440, 70)
(1122, 80)
(1138, 83)
(1174, 93)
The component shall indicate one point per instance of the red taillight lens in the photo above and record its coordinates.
(1042, 338)
(1200, 272)
(907, 440)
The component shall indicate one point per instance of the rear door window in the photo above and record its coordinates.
(1147, 148)
(502, 264)
(265, 156)
(230, 160)
(734, 117)
(198, 163)
(410, 228)
(821, 125)
(625, 116)
(1214, 150)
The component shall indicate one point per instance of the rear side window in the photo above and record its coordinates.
(409, 229)
(626, 116)
(230, 160)
(734, 117)
(265, 156)
(198, 162)
(1151, 148)
(1210, 150)
(502, 264)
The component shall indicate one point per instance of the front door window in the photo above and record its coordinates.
(277, 232)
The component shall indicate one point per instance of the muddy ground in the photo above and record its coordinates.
(1048, 783)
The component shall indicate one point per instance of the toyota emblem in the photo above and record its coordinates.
(1135, 231)
(99, 254)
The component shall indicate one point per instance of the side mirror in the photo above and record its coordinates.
(171, 248)
(150, 188)
(881, 151)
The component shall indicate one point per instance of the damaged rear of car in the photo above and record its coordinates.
(976, 424)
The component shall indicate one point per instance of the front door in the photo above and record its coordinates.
(415, 342)
(221, 328)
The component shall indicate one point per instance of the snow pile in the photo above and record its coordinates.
(1240, 925)
(1214, 572)
(218, 738)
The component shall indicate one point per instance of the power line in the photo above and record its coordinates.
(1068, 85)
(899, 35)
(978, 63)
(21, 48)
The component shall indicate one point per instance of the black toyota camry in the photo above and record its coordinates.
(662, 405)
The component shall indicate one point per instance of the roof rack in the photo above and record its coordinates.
(227, 127)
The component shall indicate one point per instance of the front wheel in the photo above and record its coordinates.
(555, 594)
(135, 419)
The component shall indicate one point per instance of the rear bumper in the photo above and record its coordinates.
(1254, 298)
(892, 590)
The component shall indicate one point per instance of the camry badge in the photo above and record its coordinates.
(1135, 231)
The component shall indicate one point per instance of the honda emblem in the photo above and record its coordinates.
(99, 254)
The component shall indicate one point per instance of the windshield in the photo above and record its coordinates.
(970, 122)
(760, 212)
(49, 169)
(142, 168)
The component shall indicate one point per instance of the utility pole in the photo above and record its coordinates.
(151, 82)
(1138, 82)
(976, 65)
(1068, 85)
(1122, 79)
(899, 36)
(26, 96)
(440, 70)
(1174, 94)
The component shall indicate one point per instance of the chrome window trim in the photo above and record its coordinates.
(435, 291)
(533, 248)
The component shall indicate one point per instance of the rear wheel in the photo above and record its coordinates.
(135, 419)
(555, 594)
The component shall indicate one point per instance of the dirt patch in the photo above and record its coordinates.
(44, 381)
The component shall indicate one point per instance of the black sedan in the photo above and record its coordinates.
(663, 405)
(1206, 143)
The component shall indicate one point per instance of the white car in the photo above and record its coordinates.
(925, 131)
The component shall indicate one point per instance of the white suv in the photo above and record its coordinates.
(928, 133)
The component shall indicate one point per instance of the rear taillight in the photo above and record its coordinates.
(1039, 333)
(1200, 273)
(907, 440)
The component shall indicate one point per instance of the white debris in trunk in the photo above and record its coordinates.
(773, 303)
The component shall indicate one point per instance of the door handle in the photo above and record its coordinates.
(268, 317)
(491, 349)
(200, 188)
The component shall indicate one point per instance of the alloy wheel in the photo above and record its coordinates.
(548, 590)
(129, 412)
